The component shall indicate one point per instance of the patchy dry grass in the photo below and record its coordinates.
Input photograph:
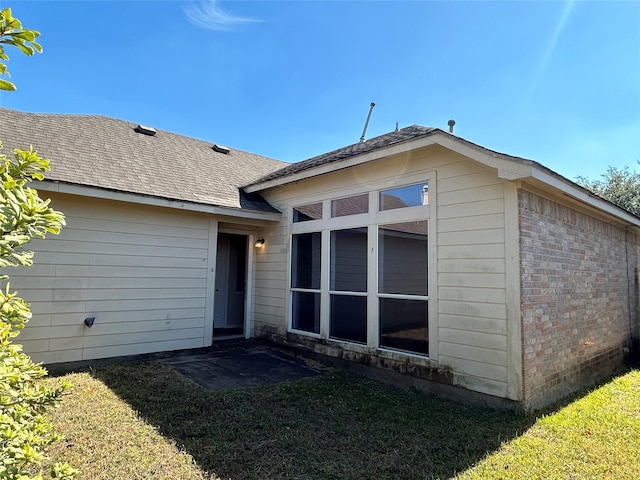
(144, 420)
(107, 439)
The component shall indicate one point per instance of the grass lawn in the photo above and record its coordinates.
(145, 421)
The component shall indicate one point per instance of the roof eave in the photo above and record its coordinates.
(508, 168)
(141, 199)
(567, 187)
(394, 149)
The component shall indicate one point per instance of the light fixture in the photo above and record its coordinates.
(259, 243)
(89, 321)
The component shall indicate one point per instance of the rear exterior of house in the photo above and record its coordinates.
(152, 279)
(514, 282)
(415, 252)
(155, 253)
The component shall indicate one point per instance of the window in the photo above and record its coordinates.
(306, 213)
(305, 281)
(348, 285)
(349, 260)
(402, 258)
(402, 197)
(403, 286)
(349, 318)
(342, 207)
(361, 275)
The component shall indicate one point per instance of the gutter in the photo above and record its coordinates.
(143, 199)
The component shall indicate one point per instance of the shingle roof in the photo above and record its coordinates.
(404, 134)
(108, 153)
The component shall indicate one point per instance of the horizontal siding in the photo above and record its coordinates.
(270, 281)
(151, 235)
(140, 271)
(466, 279)
(478, 237)
(121, 305)
(142, 347)
(100, 329)
(480, 370)
(477, 339)
(472, 313)
(466, 294)
(166, 315)
(462, 225)
(467, 308)
(481, 193)
(491, 356)
(470, 231)
(472, 265)
(473, 324)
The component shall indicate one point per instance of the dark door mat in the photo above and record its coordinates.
(240, 368)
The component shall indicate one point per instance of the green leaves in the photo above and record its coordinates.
(25, 432)
(619, 185)
(23, 214)
(12, 33)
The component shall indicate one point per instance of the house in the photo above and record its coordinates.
(417, 252)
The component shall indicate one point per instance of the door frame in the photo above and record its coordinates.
(211, 280)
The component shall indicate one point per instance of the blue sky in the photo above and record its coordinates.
(554, 81)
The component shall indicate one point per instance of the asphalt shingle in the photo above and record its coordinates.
(108, 153)
(405, 134)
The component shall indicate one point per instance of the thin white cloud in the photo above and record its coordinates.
(551, 47)
(208, 14)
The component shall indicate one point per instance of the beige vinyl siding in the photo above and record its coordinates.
(141, 271)
(472, 338)
(270, 282)
(472, 293)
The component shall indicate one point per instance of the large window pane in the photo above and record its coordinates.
(305, 260)
(349, 318)
(305, 213)
(402, 197)
(403, 258)
(341, 207)
(306, 311)
(404, 325)
(349, 260)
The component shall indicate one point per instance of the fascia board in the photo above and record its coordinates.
(341, 164)
(514, 170)
(507, 169)
(93, 192)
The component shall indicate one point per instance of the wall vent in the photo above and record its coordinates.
(221, 149)
(146, 130)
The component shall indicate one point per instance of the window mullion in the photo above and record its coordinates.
(324, 285)
(372, 287)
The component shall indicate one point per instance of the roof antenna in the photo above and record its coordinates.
(367, 122)
(451, 123)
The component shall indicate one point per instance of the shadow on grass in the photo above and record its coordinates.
(337, 425)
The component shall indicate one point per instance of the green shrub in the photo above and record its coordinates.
(25, 432)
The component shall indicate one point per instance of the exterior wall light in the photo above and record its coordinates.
(259, 243)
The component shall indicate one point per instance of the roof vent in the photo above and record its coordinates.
(451, 124)
(146, 130)
(221, 149)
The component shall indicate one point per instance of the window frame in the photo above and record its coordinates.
(371, 220)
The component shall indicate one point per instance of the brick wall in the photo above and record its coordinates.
(579, 298)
